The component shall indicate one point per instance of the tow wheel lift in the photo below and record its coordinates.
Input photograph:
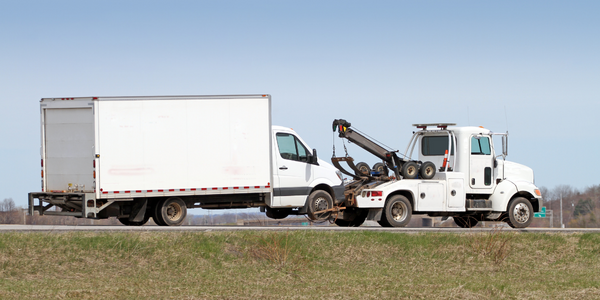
(401, 167)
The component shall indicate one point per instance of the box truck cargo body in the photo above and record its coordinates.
(139, 157)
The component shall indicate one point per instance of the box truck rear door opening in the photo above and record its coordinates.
(68, 148)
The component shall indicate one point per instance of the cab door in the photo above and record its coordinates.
(293, 171)
(481, 163)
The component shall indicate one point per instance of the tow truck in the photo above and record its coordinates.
(455, 173)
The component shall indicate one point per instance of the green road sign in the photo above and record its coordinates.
(541, 214)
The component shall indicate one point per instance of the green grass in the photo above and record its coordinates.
(298, 265)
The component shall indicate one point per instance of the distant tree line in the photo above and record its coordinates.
(10, 213)
(580, 208)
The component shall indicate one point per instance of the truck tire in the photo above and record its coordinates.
(319, 200)
(380, 168)
(410, 170)
(364, 169)
(520, 213)
(427, 170)
(358, 220)
(465, 222)
(277, 213)
(171, 211)
(397, 212)
(156, 215)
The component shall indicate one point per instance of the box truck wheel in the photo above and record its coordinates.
(156, 215)
(319, 200)
(465, 222)
(410, 170)
(170, 212)
(520, 213)
(277, 213)
(397, 212)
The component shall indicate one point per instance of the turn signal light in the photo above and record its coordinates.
(537, 192)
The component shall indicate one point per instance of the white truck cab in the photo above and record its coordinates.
(297, 173)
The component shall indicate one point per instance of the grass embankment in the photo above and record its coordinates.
(298, 265)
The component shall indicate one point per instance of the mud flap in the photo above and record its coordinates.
(138, 211)
(374, 214)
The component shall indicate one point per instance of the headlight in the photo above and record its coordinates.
(339, 174)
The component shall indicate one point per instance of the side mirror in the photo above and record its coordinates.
(313, 158)
(505, 144)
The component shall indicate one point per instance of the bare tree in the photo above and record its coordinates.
(9, 213)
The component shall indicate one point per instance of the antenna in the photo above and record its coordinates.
(468, 118)
(506, 118)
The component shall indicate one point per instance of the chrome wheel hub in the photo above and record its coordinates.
(521, 213)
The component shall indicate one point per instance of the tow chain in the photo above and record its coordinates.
(343, 143)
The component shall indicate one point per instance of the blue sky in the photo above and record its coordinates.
(531, 67)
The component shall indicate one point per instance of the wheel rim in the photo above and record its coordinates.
(399, 211)
(174, 212)
(428, 171)
(321, 204)
(521, 213)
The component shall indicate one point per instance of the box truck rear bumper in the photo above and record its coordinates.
(83, 205)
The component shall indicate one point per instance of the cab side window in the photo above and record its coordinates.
(291, 148)
(435, 145)
(480, 146)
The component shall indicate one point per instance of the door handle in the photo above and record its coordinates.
(283, 168)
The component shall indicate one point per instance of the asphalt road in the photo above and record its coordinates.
(66, 228)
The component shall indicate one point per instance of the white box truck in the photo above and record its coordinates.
(137, 158)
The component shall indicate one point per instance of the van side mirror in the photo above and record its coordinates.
(313, 158)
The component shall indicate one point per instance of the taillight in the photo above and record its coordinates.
(94, 163)
(42, 162)
(376, 193)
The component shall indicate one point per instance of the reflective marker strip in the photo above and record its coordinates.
(188, 190)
